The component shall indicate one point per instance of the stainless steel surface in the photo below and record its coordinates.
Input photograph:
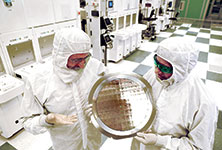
(122, 105)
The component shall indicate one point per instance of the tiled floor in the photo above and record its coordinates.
(209, 67)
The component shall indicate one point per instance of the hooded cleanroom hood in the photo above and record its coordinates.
(181, 53)
(66, 42)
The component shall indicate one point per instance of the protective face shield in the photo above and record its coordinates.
(77, 61)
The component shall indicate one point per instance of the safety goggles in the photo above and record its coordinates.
(162, 68)
(78, 61)
(80, 57)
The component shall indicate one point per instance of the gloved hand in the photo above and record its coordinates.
(59, 119)
(88, 110)
(146, 138)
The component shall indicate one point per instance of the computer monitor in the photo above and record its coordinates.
(148, 4)
(107, 39)
(110, 4)
(108, 22)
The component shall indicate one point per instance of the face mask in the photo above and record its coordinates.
(162, 68)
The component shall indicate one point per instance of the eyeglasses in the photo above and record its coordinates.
(162, 68)
(79, 59)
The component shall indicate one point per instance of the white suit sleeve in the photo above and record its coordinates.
(102, 69)
(33, 117)
(200, 134)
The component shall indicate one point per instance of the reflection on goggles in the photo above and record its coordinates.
(162, 68)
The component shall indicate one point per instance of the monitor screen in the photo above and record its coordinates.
(110, 4)
(107, 21)
(170, 4)
(148, 4)
(107, 39)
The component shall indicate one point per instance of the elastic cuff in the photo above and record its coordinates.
(43, 122)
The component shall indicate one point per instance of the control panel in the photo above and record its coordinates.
(33, 68)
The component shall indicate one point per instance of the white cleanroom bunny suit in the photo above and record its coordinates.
(186, 113)
(64, 91)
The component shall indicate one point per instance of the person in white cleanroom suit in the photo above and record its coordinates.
(186, 114)
(56, 101)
